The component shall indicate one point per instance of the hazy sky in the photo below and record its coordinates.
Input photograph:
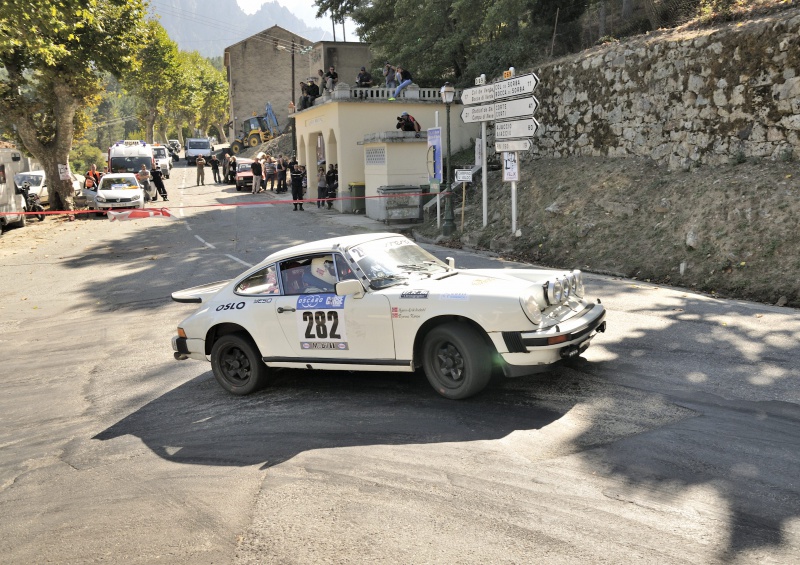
(306, 11)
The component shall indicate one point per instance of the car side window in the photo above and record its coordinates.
(263, 281)
(315, 274)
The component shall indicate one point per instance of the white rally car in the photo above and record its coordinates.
(379, 302)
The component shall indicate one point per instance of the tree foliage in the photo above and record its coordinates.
(456, 40)
(152, 80)
(53, 54)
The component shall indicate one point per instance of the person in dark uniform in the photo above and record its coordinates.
(297, 185)
(158, 180)
(214, 162)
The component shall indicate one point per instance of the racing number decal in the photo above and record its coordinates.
(321, 322)
(317, 327)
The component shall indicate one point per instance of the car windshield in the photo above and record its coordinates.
(244, 167)
(160, 152)
(129, 164)
(391, 261)
(34, 180)
(123, 183)
(199, 144)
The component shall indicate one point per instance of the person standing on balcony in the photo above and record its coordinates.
(389, 73)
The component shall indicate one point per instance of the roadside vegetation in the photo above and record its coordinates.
(77, 76)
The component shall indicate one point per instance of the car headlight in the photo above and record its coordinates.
(566, 284)
(531, 307)
(135, 197)
(100, 198)
(578, 289)
(555, 292)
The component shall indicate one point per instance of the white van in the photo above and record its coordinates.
(163, 159)
(129, 155)
(12, 204)
(198, 146)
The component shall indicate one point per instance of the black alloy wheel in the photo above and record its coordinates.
(456, 360)
(237, 365)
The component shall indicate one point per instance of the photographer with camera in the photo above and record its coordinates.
(405, 122)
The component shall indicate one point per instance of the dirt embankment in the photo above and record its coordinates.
(730, 231)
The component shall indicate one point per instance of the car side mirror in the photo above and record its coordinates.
(348, 287)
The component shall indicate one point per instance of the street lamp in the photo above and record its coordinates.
(448, 227)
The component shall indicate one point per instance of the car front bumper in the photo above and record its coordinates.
(525, 353)
(188, 348)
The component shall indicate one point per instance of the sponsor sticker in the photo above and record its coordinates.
(320, 301)
(454, 296)
(262, 301)
(317, 345)
(418, 294)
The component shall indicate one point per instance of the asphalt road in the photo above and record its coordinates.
(676, 439)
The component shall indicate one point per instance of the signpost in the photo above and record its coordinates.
(515, 145)
(510, 103)
(463, 175)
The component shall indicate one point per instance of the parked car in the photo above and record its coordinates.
(244, 176)
(163, 159)
(116, 191)
(379, 302)
(38, 182)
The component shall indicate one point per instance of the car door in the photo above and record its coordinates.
(324, 327)
(259, 292)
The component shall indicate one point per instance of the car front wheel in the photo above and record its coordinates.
(237, 365)
(456, 360)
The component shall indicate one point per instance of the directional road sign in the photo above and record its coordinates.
(515, 145)
(510, 109)
(478, 95)
(516, 128)
(472, 114)
(517, 86)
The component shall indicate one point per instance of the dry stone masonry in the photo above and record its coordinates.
(712, 97)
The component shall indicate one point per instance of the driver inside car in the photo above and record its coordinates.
(321, 276)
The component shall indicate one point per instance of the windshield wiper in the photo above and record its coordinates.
(393, 279)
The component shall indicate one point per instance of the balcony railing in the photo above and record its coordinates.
(344, 92)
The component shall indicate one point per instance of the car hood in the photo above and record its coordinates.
(119, 192)
(503, 282)
(199, 294)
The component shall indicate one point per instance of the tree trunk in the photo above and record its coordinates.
(150, 126)
(627, 9)
(601, 29)
(221, 129)
(653, 10)
(56, 151)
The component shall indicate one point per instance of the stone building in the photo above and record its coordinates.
(268, 67)
(265, 67)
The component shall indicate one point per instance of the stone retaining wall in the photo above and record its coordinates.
(682, 98)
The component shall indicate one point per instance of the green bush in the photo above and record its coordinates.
(82, 157)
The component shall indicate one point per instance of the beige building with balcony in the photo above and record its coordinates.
(355, 129)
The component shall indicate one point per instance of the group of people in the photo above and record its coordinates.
(396, 78)
(155, 175)
(144, 175)
(267, 170)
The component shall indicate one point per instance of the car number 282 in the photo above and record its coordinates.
(321, 324)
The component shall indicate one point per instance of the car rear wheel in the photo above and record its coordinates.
(456, 360)
(237, 365)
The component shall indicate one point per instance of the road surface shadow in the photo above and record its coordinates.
(200, 423)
